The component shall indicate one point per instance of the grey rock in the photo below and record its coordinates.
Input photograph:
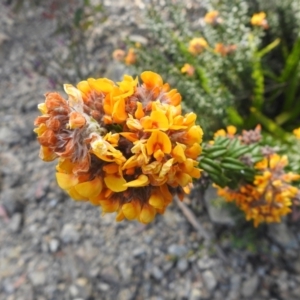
(15, 222)
(69, 233)
(125, 294)
(3, 38)
(125, 271)
(157, 273)
(10, 200)
(84, 287)
(250, 286)
(37, 278)
(283, 236)
(8, 136)
(209, 280)
(54, 245)
(195, 294)
(206, 263)
(8, 286)
(137, 252)
(116, 70)
(11, 167)
(182, 265)
(235, 282)
(104, 287)
(177, 250)
(216, 210)
(138, 39)
(73, 290)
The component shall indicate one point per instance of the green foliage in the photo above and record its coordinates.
(256, 82)
(223, 161)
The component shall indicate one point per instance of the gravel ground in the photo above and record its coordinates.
(54, 248)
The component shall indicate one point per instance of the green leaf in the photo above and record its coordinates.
(259, 85)
(78, 16)
(270, 125)
(98, 8)
(234, 117)
(291, 90)
(268, 48)
(292, 62)
(203, 79)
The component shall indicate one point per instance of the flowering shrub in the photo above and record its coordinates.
(250, 174)
(229, 62)
(126, 147)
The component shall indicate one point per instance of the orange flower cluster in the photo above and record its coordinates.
(129, 58)
(260, 20)
(188, 69)
(224, 49)
(125, 146)
(296, 132)
(271, 194)
(197, 45)
(212, 17)
(229, 132)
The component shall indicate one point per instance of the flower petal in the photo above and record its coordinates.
(89, 189)
(142, 180)
(115, 183)
(66, 181)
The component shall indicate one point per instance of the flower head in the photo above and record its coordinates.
(296, 132)
(188, 69)
(260, 20)
(125, 147)
(224, 49)
(270, 196)
(118, 55)
(212, 17)
(229, 132)
(130, 58)
(197, 45)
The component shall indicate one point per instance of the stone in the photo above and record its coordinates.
(116, 70)
(209, 280)
(138, 39)
(137, 252)
(125, 271)
(15, 222)
(235, 282)
(206, 263)
(69, 234)
(73, 290)
(216, 210)
(182, 265)
(37, 278)
(104, 287)
(281, 234)
(157, 273)
(250, 285)
(195, 294)
(11, 201)
(53, 245)
(8, 136)
(177, 250)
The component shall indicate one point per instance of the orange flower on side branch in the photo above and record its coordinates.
(296, 132)
(224, 50)
(270, 196)
(260, 20)
(125, 147)
(197, 45)
(130, 58)
(188, 69)
(212, 17)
